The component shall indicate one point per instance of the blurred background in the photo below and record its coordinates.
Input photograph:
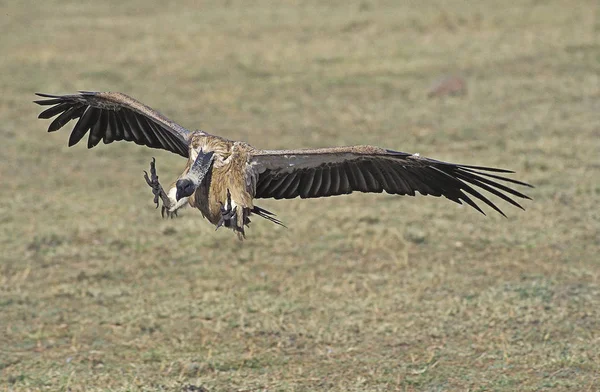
(362, 292)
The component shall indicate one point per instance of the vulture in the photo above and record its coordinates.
(222, 177)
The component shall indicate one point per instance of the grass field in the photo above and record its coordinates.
(97, 292)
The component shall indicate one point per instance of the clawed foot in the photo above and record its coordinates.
(158, 191)
(227, 213)
(165, 213)
(152, 181)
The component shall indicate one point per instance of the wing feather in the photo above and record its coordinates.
(137, 133)
(153, 138)
(98, 129)
(124, 132)
(361, 183)
(351, 175)
(317, 180)
(371, 167)
(306, 182)
(278, 185)
(390, 185)
(372, 185)
(65, 117)
(494, 191)
(344, 181)
(292, 190)
(334, 189)
(83, 125)
(283, 189)
(502, 178)
(161, 137)
(112, 132)
(325, 180)
(407, 186)
(264, 183)
(54, 110)
(112, 117)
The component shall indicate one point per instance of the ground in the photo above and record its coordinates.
(361, 292)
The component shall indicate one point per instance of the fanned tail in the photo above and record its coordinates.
(267, 215)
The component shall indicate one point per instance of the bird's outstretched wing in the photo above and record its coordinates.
(286, 174)
(113, 116)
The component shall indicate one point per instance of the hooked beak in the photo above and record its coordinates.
(185, 188)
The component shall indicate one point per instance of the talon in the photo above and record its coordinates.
(153, 167)
(147, 178)
(227, 213)
(165, 213)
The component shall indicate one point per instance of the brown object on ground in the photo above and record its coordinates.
(448, 85)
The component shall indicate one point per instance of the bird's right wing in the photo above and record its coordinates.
(111, 117)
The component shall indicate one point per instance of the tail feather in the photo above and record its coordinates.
(267, 215)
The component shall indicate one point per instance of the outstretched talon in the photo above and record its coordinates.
(152, 181)
(158, 191)
(227, 213)
(166, 213)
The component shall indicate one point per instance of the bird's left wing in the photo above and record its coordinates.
(113, 116)
(286, 174)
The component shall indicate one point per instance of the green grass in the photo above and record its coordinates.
(361, 293)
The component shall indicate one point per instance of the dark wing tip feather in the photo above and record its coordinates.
(50, 100)
(487, 168)
(470, 202)
(47, 102)
(483, 182)
(454, 189)
(467, 169)
(47, 95)
(477, 179)
(462, 182)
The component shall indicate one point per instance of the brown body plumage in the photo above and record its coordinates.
(223, 177)
(228, 172)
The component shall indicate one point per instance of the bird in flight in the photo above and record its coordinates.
(223, 177)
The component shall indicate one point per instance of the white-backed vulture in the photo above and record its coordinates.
(223, 177)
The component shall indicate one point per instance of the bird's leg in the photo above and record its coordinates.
(227, 213)
(158, 191)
